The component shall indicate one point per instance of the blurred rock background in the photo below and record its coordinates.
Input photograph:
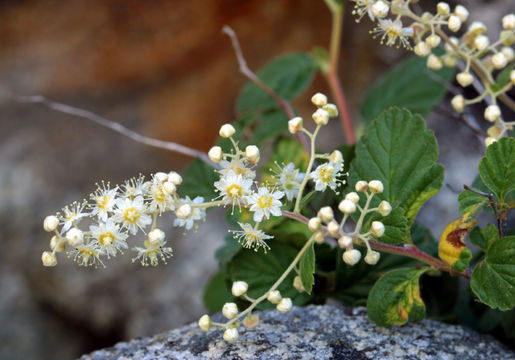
(164, 69)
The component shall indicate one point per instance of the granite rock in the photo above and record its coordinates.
(314, 332)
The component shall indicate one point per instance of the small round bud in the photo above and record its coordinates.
(492, 113)
(422, 49)
(297, 284)
(215, 154)
(507, 37)
(56, 244)
(489, 141)
(377, 229)
(204, 322)
(48, 259)
(508, 53)
(499, 61)
(333, 228)
(336, 157)
(314, 224)
(183, 211)
(351, 257)
(449, 60)
(347, 206)
(251, 321)
(508, 22)
(465, 78)
(284, 305)
(443, 8)
(321, 117)
(376, 187)
(331, 109)
(452, 41)
(433, 40)
(352, 196)
(50, 223)
(345, 242)
(230, 310)
(361, 186)
(477, 28)
(384, 208)
(325, 214)
(372, 257)
(231, 335)
(454, 23)
(319, 237)
(380, 9)
(239, 288)
(169, 187)
(174, 178)
(434, 62)
(461, 12)
(161, 176)
(74, 237)
(252, 153)
(156, 237)
(494, 131)
(458, 103)
(274, 296)
(319, 99)
(295, 124)
(226, 131)
(481, 42)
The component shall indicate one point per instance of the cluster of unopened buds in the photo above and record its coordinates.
(480, 57)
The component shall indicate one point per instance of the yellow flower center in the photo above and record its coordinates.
(102, 202)
(326, 174)
(265, 201)
(234, 190)
(106, 239)
(158, 194)
(131, 215)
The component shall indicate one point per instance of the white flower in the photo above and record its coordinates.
(196, 213)
(251, 238)
(393, 31)
(233, 188)
(104, 199)
(135, 187)
(160, 199)
(72, 215)
(48, 259)
(131, 213)
(151, 252)
(237, 165)
(86, 255)
(362, 8)
(264, 203)
(325, 175)
(108, 237)
(290, 179)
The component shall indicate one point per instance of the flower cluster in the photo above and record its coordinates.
(480, 57)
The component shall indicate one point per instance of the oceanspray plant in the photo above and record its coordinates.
(307, 224)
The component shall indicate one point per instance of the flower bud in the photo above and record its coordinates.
(48, 259)
(352, 196)
(351, 257)
(314, 224)
(226, 131)
(50, 223)
(492, 113)
(372, 257)
(422, 49)
(433, 40)
(297, 284)
(183, 211)
(295, 124)
(231, 335)
(252, 153)
(56, 244)
(377, 229)
(508, 22)
(251, 321)
(443, 8)
(481, 42)
(331, 109)
(458, 103)
(156, 237)
(345, 242)
(508, 53)
(434, 62)
(239, 288)
(169, 187)
(319, 237)
(384, 208)
(494, 131)
(284, 305)
(489, 141)
(461, 12)
(319, 99)
(376, 187)
(347, 207)
(454, 23)
(274, 296)
(230, 310)
(333, 228)
(161, 177)
(361, 186)
(325, 214)
(74, 237)
(449, 60)
(477, 28)
(465, 78)
(499, 61)
(174, 178)
(380, 9)
(204, 322)
(336, 157)
(215, 154)
(321, 117)
(507, 37)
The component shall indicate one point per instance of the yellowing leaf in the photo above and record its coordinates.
(452, 248)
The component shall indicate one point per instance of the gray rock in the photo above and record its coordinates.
(315, 332)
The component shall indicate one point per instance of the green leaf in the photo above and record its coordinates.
(497, 168)
(269, 125)
(396, 226)
(262, 270)
(407, 85)
(287, 75)
(484, 237)
(307, 269)
(286, 150)
(493, 280)
(198, 181)
(217, 292)
(395, 298)
(463, 261)
(398, 150)
(227, 252)
(503, 78)
(471, 203)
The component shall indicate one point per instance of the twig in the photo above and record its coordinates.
(245, 70)
(86, 114)
(466, 119)
(490, 197)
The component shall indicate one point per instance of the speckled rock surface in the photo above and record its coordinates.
(314, 332)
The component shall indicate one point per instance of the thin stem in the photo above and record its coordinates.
(308, 170)
(490, 197)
